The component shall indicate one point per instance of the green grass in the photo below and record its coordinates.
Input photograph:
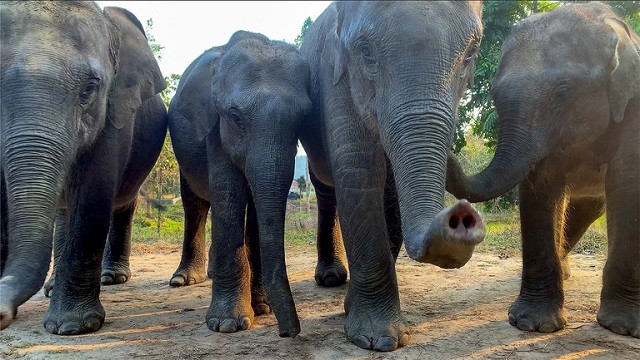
(502, 239)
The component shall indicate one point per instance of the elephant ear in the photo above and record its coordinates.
(137, 75)
(193, 100)
(624, 83)
(332, 50)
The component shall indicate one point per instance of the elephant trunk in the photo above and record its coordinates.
(514, 157)
(34, 164)
(270, 179)
(416, 136)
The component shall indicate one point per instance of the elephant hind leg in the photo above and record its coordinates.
(192, 265)
(331, 267)
(115, 265)
(259, 301)
(581, 213)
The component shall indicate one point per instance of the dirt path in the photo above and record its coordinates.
(453, 314)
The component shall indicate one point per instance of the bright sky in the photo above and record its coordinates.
(187, 28)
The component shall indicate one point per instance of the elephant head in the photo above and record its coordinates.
(565, 77)
(69, 70)
(407, 65)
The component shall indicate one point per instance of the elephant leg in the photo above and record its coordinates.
(230, 309)
(581, 213)
(540, 305)
(372, 304)
(115, 263)
(392, 213)
(620, 296)
(192, 265)
(60, 235)
(330, 269)
(75, 306)
(259, 301)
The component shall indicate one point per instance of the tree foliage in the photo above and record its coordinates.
(164, 178)
(305, 26)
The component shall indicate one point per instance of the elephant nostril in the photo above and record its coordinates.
(468, 221)
(453, 222)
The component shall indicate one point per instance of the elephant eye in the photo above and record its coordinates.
(87, 95)
(471, 53)
(236, 118)
(366, 52)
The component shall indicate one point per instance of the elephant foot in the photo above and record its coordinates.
(330, 274)
(620, 317)
(8, 312)
(536, 315)
(375, 330)
(370, 325)
(48, 286)
(259, 302)
(74, 321)
(115, 274)
(229, 314)
(187, 275)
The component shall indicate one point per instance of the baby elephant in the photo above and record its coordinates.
(567, 94)
(234, 127)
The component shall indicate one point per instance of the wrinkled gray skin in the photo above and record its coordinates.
(234, 128)
(71, 141)
(386, 81)
(567, 94)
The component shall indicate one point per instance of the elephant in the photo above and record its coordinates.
(387, 78)
(567, 94)
(82, 125)
(234, 124)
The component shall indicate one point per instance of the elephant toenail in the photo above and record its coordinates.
(70, 328)
(362, 342)
(547, 328)
(106, 280)
(177, 280)
(92, 324)
(213, 324)
(51, 328)
(512, 320)
(245, 323)
(386, 343)
(228, 326)
(121, 279)
(526, 325)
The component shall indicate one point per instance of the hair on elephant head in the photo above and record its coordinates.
(69, 70)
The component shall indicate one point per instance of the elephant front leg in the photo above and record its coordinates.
(540, 305)
(330, 269)
(115, 264)
(372, 304)
(192, 265)
(230, 309)
(75, 306)
(620, 296)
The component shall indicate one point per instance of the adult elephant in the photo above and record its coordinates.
(73, 78)
(567, 94)
(234, 124)
(386, 81)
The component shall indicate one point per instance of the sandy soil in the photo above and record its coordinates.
(453, 314)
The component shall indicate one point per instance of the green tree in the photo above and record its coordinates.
(303, 32)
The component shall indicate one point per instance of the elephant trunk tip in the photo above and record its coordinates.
(451, 238)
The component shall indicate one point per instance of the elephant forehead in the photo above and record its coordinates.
(60, 26)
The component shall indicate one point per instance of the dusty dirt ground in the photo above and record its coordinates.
(453, 314)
